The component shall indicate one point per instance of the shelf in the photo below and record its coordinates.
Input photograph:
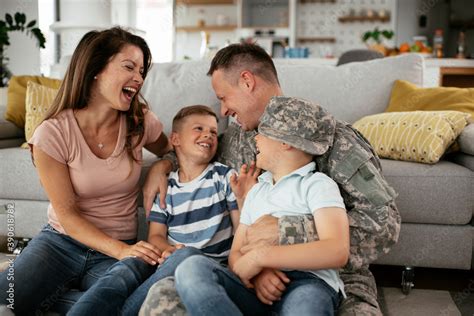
(344, 19)
(204, 2)
(316, 39)
(207, 28)
(466, 24)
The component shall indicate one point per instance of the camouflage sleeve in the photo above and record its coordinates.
(236, 147)
(374, 220)
(296, 230)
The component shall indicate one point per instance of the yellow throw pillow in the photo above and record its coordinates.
(408, 97)
(420, 136)
(38, 100)
(15, 111)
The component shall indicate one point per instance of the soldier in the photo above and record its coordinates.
(244, 79)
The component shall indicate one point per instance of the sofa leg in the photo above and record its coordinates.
(408, 277)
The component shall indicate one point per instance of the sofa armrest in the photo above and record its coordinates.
(462, 159)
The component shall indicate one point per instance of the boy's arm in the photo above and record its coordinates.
(235, 218)
(331, 251)
(158, 236)
(239, 241)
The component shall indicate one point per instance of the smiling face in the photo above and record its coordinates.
(120, 80)
(269, 152)
(196, 138)
(237, 100)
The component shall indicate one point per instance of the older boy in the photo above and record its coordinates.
(200, 216)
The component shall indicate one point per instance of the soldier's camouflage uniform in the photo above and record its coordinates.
(373, 216)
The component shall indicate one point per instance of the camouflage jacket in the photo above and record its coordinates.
(350, 160)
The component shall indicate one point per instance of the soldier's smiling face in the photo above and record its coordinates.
(237, 100)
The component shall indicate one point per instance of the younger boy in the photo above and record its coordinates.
(200, 216)
(285, 145)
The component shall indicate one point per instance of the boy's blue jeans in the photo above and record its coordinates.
(207, 288)
(121, 291)
(46, 269)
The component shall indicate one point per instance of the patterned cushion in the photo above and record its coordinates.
(38, 101)
(15, 112)
(420, 136)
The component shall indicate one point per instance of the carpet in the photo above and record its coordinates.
(421, 302)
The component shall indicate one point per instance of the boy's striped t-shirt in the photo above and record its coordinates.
(197, 213)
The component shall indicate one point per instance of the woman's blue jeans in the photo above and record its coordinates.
(123, 288)
(48, 267)
(207, 288)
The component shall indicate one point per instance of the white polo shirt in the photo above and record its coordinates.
(301, 192)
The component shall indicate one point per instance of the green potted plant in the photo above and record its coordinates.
(374, 39)
(10, 24)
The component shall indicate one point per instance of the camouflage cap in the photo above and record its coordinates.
(299, 123)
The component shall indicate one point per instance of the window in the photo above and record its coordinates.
(155, 17)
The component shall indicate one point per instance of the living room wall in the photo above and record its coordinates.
(23, 53)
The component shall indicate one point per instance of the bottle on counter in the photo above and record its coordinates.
(461, 48)
(438, 43)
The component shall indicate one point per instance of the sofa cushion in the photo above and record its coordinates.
(436, 194)
(171, 86)
(420, 136)
(19, 177)
(408, 97)
(351, 91)
(433, 246)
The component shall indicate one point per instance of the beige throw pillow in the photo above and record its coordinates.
(38, 100)
(420, 136)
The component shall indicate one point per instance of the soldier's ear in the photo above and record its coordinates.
(247, 80)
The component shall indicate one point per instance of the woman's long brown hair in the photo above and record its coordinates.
(91, 56)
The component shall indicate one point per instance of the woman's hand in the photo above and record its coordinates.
(169, 251)
(143, 250)
(156, 182)
(270, 285)
(242, 183)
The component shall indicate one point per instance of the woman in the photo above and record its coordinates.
(87, 152)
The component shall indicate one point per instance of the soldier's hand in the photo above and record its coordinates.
(270, 285)
(264, 231)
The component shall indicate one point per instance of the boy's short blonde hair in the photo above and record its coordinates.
(191, 110)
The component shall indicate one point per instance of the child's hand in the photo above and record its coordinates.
(270, 285)
(248, 265)
(242, 183)
(168, 251)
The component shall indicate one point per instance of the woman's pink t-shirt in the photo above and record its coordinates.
(105, 190)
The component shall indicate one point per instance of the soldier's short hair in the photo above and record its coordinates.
(191, 110)
(235, 58)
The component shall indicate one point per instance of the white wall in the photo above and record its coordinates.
(23, 52)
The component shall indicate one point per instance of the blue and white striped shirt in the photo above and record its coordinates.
(198, 212)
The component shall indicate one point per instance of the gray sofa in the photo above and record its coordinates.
(436, 202)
